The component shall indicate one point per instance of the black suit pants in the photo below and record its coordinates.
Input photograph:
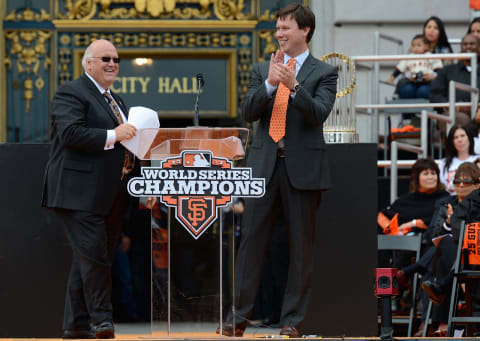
(93, 239)
(446, 253)
(298, 210)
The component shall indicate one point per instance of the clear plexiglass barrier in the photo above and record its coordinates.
(191, 279)
(157, 144)
(192, 291)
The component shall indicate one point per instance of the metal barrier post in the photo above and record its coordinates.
(474, 100)
(473, 84)
(451, 100)
(375, 89)
(424, 133)
(393, 171)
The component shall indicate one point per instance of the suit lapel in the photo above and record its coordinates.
(264, 69)
(99, 97)
(307, 68)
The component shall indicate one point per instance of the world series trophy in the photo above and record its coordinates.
(340, 126)
(194, 222)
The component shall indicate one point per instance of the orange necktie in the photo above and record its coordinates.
(279, 112)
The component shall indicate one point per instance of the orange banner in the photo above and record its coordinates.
(392, 228)
(471, 242)
(475, 4)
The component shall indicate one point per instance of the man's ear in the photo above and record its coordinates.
(306, 30)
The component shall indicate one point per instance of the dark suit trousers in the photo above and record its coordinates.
(298, 210)
(93, 239)
(443, 267)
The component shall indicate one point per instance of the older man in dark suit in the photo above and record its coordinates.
(291, 156)
(85, 184)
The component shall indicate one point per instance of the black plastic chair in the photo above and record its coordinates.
(404, 243)
(428, 319)
(462, 275)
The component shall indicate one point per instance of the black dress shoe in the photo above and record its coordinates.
(290, 331)
(105, 330)
(78, 334)
(227, 330)
(434, 292)
(272, 323)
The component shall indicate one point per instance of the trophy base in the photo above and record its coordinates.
(340, 136)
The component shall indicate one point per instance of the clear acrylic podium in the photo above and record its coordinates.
(191, 279)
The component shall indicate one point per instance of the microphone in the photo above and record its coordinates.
(200, 84)
(200, 79)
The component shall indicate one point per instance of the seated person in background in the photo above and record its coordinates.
(413, 211)
(464, 205)
(410, 213)
(459, 72)
(459, 148)
(434, 31)
(418, 73)
(474, 27)
(466, 180)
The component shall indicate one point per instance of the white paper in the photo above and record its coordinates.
(141, 118)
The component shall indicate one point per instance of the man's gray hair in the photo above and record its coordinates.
(86, 55)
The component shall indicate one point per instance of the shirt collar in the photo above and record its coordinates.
(102, 90)
(462, 66)
(300, 59)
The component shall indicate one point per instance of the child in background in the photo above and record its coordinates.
(418, 73)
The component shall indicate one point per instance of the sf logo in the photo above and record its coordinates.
(196, 213)
(197, 208)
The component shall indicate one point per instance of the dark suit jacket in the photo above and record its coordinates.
(305, 150)
(456, 72)
(80, 174)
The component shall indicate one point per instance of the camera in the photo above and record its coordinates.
(418, 76)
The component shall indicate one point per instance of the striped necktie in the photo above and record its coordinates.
(113, 106)
(129, 160)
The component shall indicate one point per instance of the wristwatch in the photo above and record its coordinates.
(295, 88)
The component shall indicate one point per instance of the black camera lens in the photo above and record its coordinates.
(384, 282)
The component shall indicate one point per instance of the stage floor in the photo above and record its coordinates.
(206, 331)
(184, 330)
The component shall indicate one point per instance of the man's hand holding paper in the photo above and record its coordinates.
(141, 118)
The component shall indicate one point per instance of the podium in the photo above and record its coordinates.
(158, 144)
(192, 274)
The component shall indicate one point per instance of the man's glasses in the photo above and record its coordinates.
(107, 59)
(464, 181)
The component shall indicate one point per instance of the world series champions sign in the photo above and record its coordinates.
(196, 184)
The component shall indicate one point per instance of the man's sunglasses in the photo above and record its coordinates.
(107, 59)
(464, 181)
